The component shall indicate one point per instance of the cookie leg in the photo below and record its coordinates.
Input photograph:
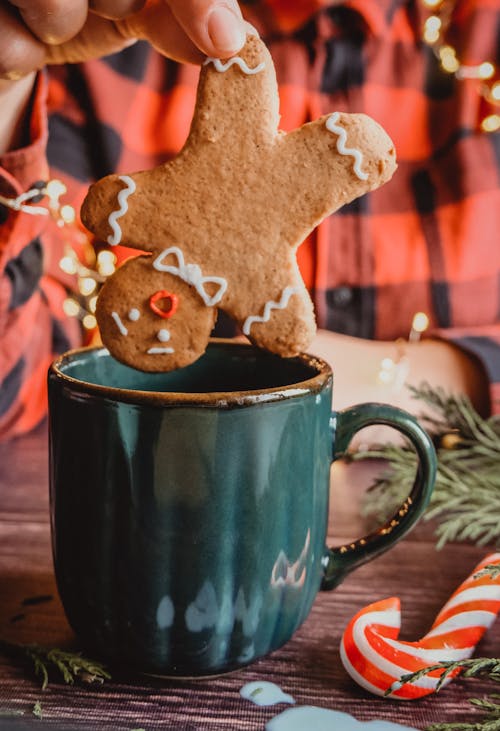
(284, 325)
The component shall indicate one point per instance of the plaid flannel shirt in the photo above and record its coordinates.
(426, 241)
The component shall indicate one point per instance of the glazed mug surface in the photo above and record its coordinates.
(189, 509)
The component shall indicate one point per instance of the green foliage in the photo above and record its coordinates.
(490, 722)
(70, 666)
(466, 498)
(483, 666)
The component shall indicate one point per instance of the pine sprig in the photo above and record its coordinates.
(492, 570)
(70, 666)
(479, 666)
(470, 668)
(466, 498)
(490, 722)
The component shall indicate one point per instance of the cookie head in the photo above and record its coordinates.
(152, 320)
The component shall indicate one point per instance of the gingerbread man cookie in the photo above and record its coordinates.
(223, 220)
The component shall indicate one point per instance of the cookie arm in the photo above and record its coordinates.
(362, 158)
(126, 209)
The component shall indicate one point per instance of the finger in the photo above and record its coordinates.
(157, 24)
(20, 51)
(216, 27)
(53, 21)
(115, 9)
(99, 37)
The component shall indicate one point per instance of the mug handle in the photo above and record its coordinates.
(341, 560)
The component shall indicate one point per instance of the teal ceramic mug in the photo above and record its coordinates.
(189, 509)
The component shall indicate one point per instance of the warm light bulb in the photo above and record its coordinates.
(93, 304)
(448, 59)
(385, 377)
(106, 263)
(387, 364)
(86, 285)
(89, 322)
(55, 189)
(431, 36)
(495, 91)
(432, 3)
(491, 123)
(67, 214)
(433, 23)
(420, 322)
(68, 265)
(486, 70)
(71, 307)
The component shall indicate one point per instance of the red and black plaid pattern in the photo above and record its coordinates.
(428, 240)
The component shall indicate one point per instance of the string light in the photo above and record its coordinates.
(419, 324)
(491, 123)
(434, 32)
(393, 372)
(89, 275)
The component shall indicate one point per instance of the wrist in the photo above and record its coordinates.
(14, 105)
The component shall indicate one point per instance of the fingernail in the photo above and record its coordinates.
(225, 30)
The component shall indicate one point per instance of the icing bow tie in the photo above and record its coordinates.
(192, 274)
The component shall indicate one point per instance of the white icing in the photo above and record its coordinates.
(268, 308)
(160, 351)
(323, 719)
(163, 335)
(264, 693)
(134, 314)
(192, 274)
(332, 126)
(121, 326)
(122, 202)
(221, 67)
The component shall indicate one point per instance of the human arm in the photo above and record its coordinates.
(357, 363)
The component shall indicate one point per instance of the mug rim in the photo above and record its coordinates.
(220, 399)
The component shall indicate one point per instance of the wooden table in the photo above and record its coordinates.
(308, 667)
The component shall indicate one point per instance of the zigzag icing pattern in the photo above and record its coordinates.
(122, 202)
(221, 67)
(332, 126)
(268, 308)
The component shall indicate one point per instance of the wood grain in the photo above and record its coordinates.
(308, 667)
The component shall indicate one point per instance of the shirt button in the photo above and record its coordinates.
(342, 296)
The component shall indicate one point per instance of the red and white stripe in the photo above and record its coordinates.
(375, 658)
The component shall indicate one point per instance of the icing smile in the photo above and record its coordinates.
(163, 336)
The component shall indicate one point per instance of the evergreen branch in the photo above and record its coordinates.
(470, 668)
(466, 497)
(70, 665)
(490, 722)
(492, 570)
(480, 666)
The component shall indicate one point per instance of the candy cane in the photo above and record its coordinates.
(375, 658)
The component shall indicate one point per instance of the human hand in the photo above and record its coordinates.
(37, 32)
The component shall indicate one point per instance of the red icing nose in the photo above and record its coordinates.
(163, 303)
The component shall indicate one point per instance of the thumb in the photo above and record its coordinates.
(216, 27)
(189, 30)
